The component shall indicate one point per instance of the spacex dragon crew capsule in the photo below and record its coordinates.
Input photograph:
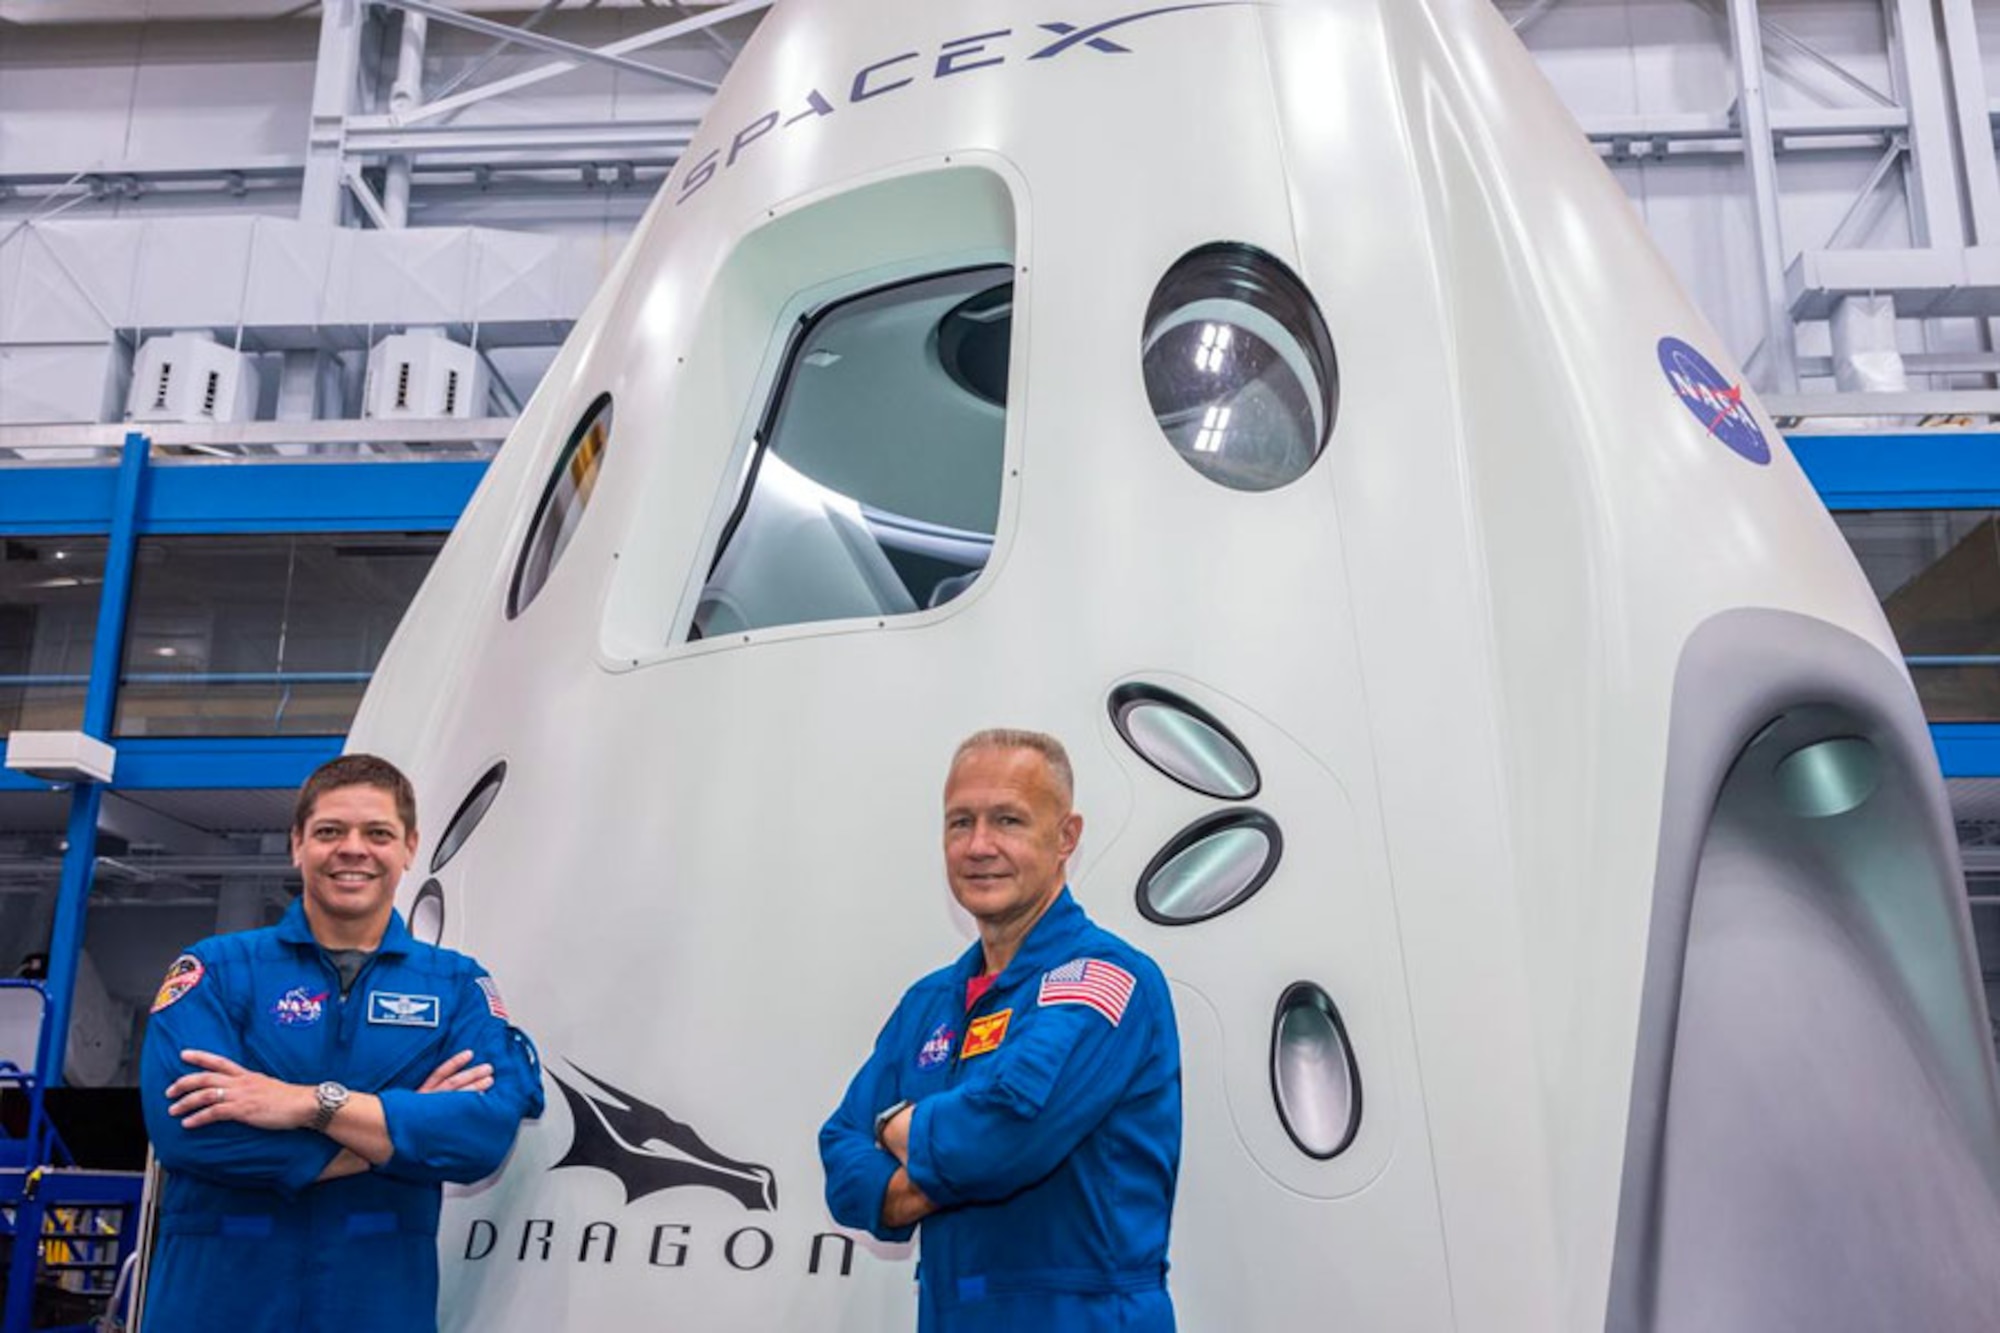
(1475, 712)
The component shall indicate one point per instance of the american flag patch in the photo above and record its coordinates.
(494, 1004)
(1105, 987)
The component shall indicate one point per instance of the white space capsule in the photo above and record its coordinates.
(1476, 713)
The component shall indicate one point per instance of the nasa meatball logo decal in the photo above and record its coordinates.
(936, 1049)
(299, 1007)
(1715, 402)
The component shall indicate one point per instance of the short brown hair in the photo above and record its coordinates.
(357, 770)
(1013, 738)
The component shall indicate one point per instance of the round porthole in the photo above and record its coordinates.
(427, 913)
(563, 502)
(1239, 367)
(1183, 742)
(1313, 1075)
(1210, 866)
(470, 811)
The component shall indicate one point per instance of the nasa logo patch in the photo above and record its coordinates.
(1716, 403)
(402, 1011)
(299, 1008)
(936, 1049)
(183, 976)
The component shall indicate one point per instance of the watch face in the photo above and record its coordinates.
(332, 1093)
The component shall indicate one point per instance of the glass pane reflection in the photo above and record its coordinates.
(875, 489)
(1937, 572)
(570, 488)
(1239, 368)
(48, 626)
(262, 635)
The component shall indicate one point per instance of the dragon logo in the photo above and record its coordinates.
(649, 1151)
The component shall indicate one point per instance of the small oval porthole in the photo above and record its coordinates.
(568, 493)
(1239, 368)
(1313, 1074)
(1184, 742)
(1829, 777)
(470, 811)
(427, 913)
(1210, 866)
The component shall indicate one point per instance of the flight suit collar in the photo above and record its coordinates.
(293, 928)
(1048, 944)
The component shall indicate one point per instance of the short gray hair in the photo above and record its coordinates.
(1014, 738)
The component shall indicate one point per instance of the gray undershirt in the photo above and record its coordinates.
(348, 963)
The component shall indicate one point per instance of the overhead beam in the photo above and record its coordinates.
(543, 42)
(445, 106)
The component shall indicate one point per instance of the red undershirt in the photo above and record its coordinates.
(977, 987)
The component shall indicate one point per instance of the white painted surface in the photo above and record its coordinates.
(1450, 646)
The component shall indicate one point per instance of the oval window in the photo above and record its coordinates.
(562, 505)
(1183, 742)
(470, 811)
(1829, 777)
(1239, 367)
(1313, 1074)
(1212, 865)
(427, 913)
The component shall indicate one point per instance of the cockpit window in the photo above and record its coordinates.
(874, 488)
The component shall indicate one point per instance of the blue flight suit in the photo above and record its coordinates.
(1051, 1155)
(247, 1240)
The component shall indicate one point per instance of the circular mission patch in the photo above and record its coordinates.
(182, 977)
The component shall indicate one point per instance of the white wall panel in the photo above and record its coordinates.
(160, 94)
(65, 96)
(207, 92)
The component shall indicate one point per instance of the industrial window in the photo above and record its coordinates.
(48, 628)
(561, 509)
(262, 635)
(1239, 368)
(874, 486)
(1937, 572)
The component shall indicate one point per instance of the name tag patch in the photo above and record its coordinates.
(403, 1011)
(985, 1034)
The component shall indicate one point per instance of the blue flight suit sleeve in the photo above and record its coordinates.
(226, 1152)
(463, 1137)
(858, 1172)
(1054, 1083)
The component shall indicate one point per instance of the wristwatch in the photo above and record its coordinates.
(332, 1096)
(883, 1118)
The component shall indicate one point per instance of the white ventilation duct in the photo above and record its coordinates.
(192, 378)
(423, 374)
